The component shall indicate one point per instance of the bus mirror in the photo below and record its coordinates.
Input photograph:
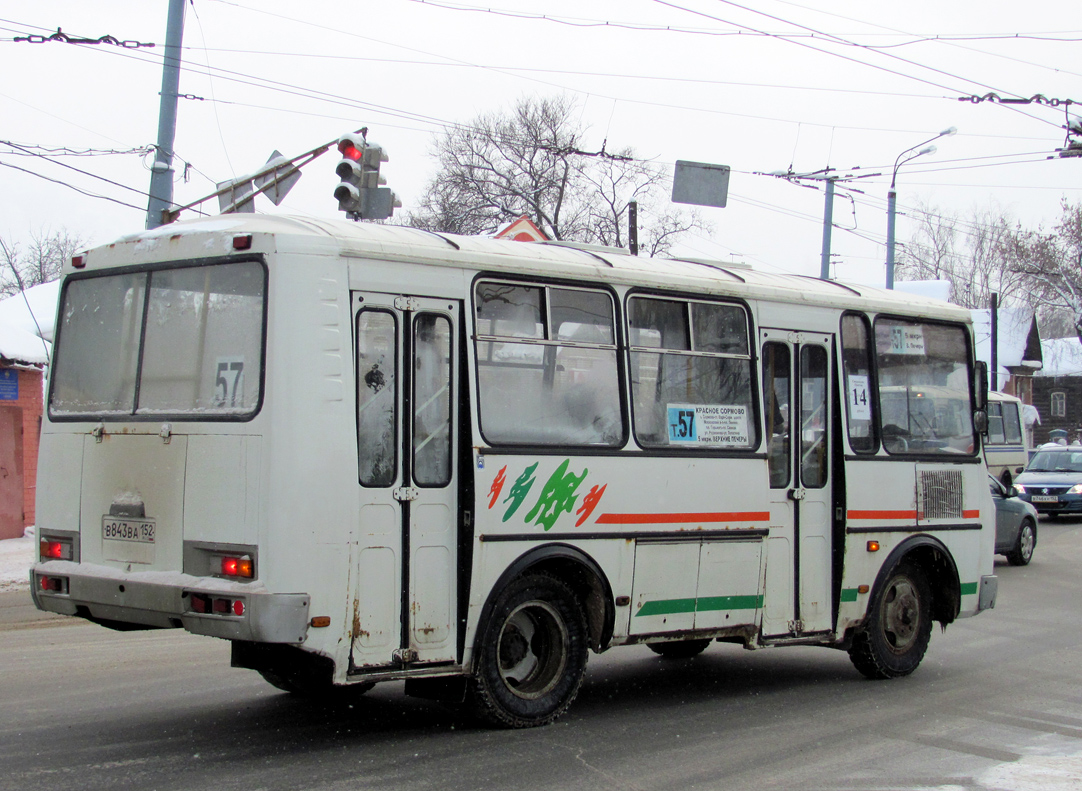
(980, 422)
(980, 382)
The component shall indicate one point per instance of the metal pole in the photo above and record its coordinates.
(892, 200)
(161, 176)
(633, 227)
(828, 225)
(995, 341)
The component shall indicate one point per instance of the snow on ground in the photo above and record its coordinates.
(16, 557)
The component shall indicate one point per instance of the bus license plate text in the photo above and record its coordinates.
(128, 530)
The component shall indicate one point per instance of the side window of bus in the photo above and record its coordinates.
(546, 365)
(995, 423)
(924, 387)
(691, 374)
(432, 400)
(857, 362)
(377, 397)
(1012, 423)
(776, 405)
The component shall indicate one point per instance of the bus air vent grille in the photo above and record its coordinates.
(940, 494)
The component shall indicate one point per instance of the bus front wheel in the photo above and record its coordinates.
(895, 635)
(532, 654)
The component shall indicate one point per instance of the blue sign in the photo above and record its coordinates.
(682, 427)
(9, 385)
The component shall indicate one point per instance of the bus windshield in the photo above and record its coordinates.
(924, 389)
(179, 342)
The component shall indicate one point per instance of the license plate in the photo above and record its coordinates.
(122, 529)
(1044, 498)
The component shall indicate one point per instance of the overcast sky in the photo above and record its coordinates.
(788, 85)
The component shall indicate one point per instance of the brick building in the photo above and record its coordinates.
(25, 341)
(1057, 389)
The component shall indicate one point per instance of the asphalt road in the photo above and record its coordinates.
(997, 704)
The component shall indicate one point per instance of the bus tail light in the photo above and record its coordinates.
(54, 549)
(238, 567)
(215, 605)
(53, 584)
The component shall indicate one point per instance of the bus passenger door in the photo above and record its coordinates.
(405, 606)
(797, 409)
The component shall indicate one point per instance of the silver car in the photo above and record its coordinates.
(1016, 524)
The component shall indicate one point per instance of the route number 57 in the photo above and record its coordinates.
(229, 382)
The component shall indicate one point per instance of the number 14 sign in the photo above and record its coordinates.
(859, 407)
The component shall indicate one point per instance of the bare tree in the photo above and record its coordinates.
(1052, 262)
(975, 254)
(38, 262)
(530, 161)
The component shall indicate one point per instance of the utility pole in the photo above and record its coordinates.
(828, 210)
(994, 341)
(633, 227)
(828, 224)
(161, 175)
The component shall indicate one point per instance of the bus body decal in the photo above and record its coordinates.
(661, 519)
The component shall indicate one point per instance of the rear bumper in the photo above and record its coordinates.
(165, 600)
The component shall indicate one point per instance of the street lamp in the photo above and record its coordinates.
(892, 195)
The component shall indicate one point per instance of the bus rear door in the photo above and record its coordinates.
(405, 580)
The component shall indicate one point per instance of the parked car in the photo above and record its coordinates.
(1016, 524)
(1052, 481)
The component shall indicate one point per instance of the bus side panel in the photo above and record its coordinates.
(682, 540)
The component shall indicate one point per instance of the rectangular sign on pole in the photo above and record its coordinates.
(700, 184)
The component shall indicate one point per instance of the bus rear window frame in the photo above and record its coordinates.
(187, 417)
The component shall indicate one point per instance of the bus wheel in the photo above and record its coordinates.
(899, 624)
(531, 657)
(304, 687)
(684, 649)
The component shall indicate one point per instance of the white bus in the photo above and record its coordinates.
(366, 453)
(1005, 447)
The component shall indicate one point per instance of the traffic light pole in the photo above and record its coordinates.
(161, 175)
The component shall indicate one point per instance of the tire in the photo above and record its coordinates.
(531, 656)
(307, 688)
(684, 649)
(1022, 553)
(895, 634)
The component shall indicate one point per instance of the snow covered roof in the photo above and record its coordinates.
(1062, 357)
(1019, 341)
(42, 299)
(22, 340)
(293, 236)
(936, 289)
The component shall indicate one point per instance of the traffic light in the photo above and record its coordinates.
(359, 193)
(348, 192)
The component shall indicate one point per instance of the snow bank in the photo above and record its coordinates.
(16, 557)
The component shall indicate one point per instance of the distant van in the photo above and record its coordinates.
(1005, 448)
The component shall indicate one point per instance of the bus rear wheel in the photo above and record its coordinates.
(683, 649)
(531, 656)
(899, 624)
